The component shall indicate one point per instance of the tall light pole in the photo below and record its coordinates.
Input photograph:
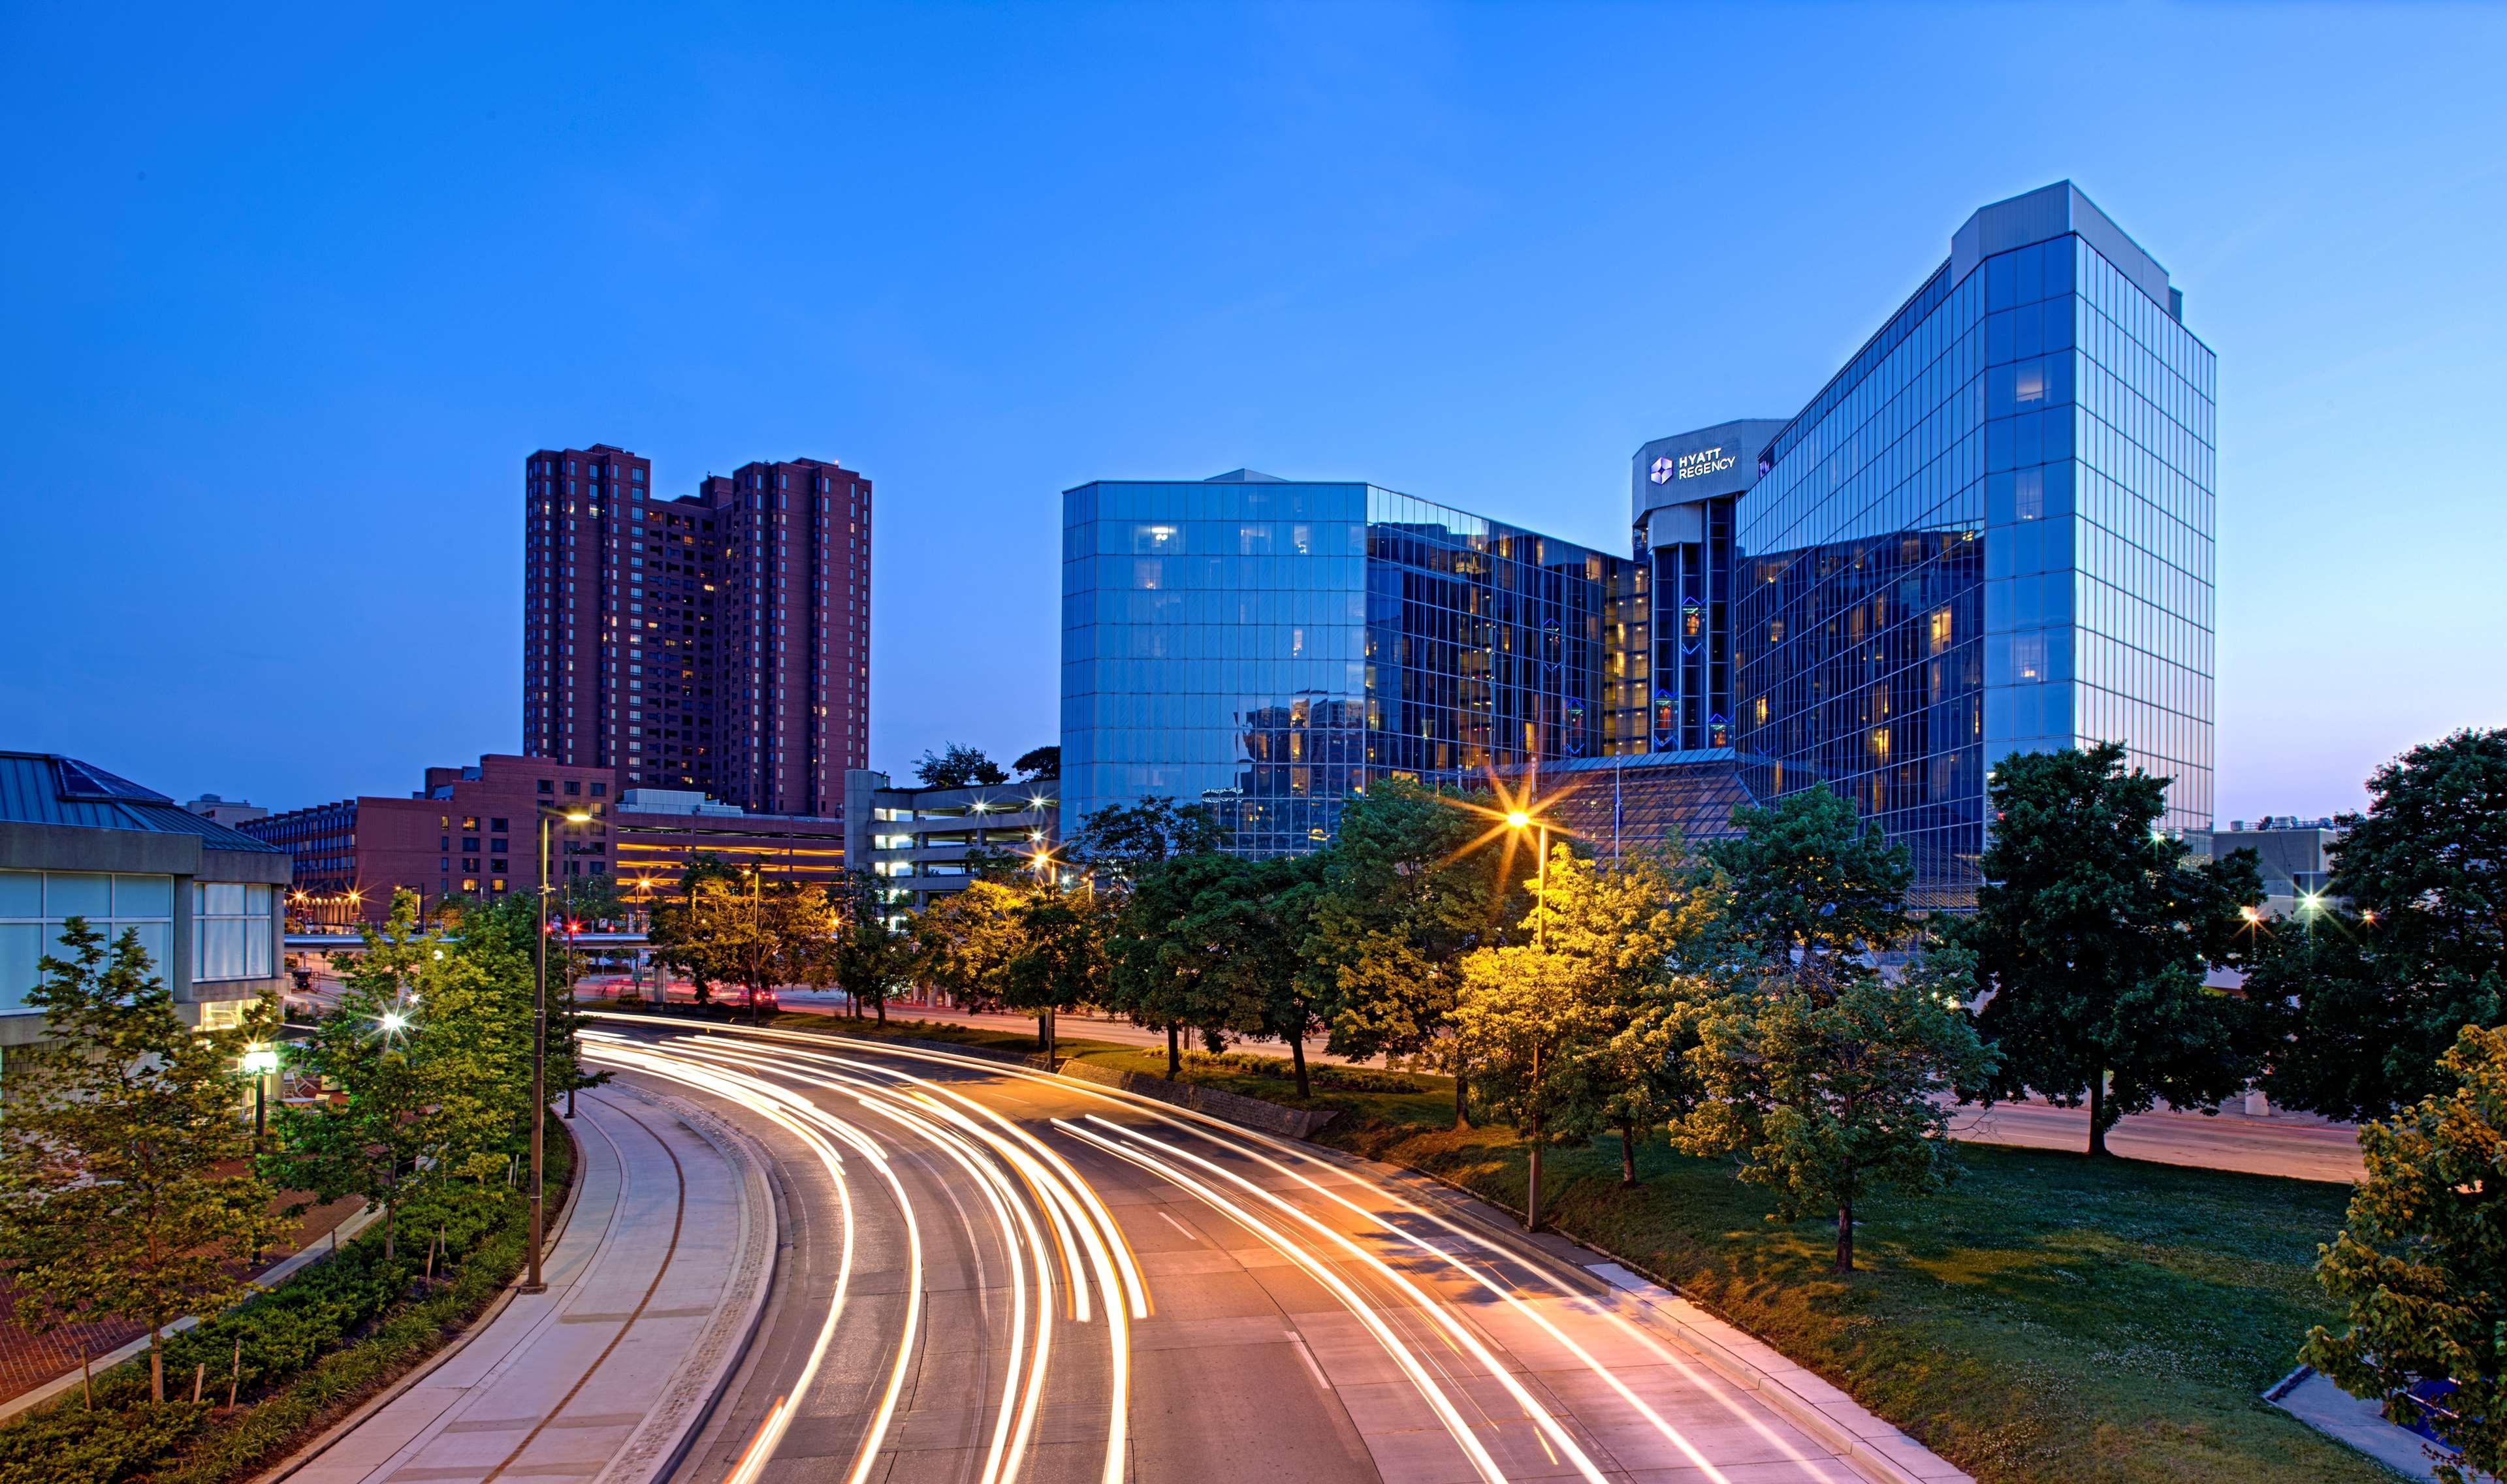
(1518, 819)
(533, 1283)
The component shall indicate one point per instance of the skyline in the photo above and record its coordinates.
(1467, 292)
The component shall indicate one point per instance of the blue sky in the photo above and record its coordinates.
(288, 294)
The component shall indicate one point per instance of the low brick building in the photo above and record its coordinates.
(473, 831)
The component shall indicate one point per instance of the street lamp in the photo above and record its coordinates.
(533, 1283)
(260, 1061)
(1518, 819)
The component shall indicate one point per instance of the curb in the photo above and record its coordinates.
(332, 1434)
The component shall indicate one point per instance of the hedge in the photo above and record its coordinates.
(313, 1347)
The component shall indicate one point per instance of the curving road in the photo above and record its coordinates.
(994, 1275)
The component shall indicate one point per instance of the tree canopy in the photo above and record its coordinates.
(2092, 934)
(2369, 991)
(958, 766)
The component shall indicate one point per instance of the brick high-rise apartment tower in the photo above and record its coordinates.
(716, 641)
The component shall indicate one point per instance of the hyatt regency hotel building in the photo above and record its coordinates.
(1990, 532)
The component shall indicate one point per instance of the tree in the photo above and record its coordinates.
(1147, 862)
(125, 1188)
(670, 930)
(1644, 929)
(871, 957)
(1255, 919)
(966, 940)
(2093, 932)
(1807, 876)
(1830, 1083)
(1522, 1015)
(1059, 960)
(1039, 765)
(956, 765)
(2368, 994)
(1404, 896)
(757, 935)
(1160, 959)
(2422, 1259)
(428, 1058)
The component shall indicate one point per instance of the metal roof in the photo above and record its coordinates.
(48, 788)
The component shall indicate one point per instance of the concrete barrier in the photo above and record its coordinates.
(1252, 1113)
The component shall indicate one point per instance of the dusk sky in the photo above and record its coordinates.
(288, 295)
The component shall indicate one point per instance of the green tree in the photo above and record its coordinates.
(749, 933)
(964, 941)
(672, 931)
(1521, 1019)
(872, 957)
(1058, 962)
(1644, 928)
(2368, 994)
(1256, 918)
(1407, 893)
(1039, 765)
(125, 1187)
(2421, 1260)
(428, 1057)
(1148, 861)
(1831, 1082)
(1161, 956)
(956, 765)
(2093, 931)
(1808, 877)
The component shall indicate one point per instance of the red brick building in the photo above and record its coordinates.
(474, 831)
(717, 642)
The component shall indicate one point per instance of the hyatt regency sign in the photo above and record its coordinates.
(1692, 465)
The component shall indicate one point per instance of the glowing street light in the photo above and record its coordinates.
(394, 1020)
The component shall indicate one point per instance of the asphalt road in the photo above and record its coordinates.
(991, 1277)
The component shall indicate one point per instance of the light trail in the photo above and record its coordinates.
(1321, 1272)
(1458, 1334)
(1243, 1145)
(1101, 1237)
(959, 1139)
(803, 1120)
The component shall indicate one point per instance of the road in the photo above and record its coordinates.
(2299, 1147)
(992, 1275)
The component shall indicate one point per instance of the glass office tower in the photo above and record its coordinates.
(1267, 647)
(1991, 532)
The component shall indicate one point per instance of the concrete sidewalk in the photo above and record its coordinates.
(653, 1289)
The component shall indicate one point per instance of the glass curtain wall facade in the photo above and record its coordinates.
(1267, 647)
(1990, 533)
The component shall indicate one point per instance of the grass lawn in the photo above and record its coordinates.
(2049, 1318)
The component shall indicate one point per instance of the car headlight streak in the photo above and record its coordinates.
(1030, 1189)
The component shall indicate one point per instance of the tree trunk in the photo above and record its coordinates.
(1532, 1201)
(1297, 1061)
(388, 1231)
(1627, 1154)
(156, 1366)
(1845, 1237)
(2097, 1113)
(1462, 1098)
(1175, 1052)
(882, 1004)
(1044, 1029)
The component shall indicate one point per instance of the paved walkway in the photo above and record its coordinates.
(653, 1288)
